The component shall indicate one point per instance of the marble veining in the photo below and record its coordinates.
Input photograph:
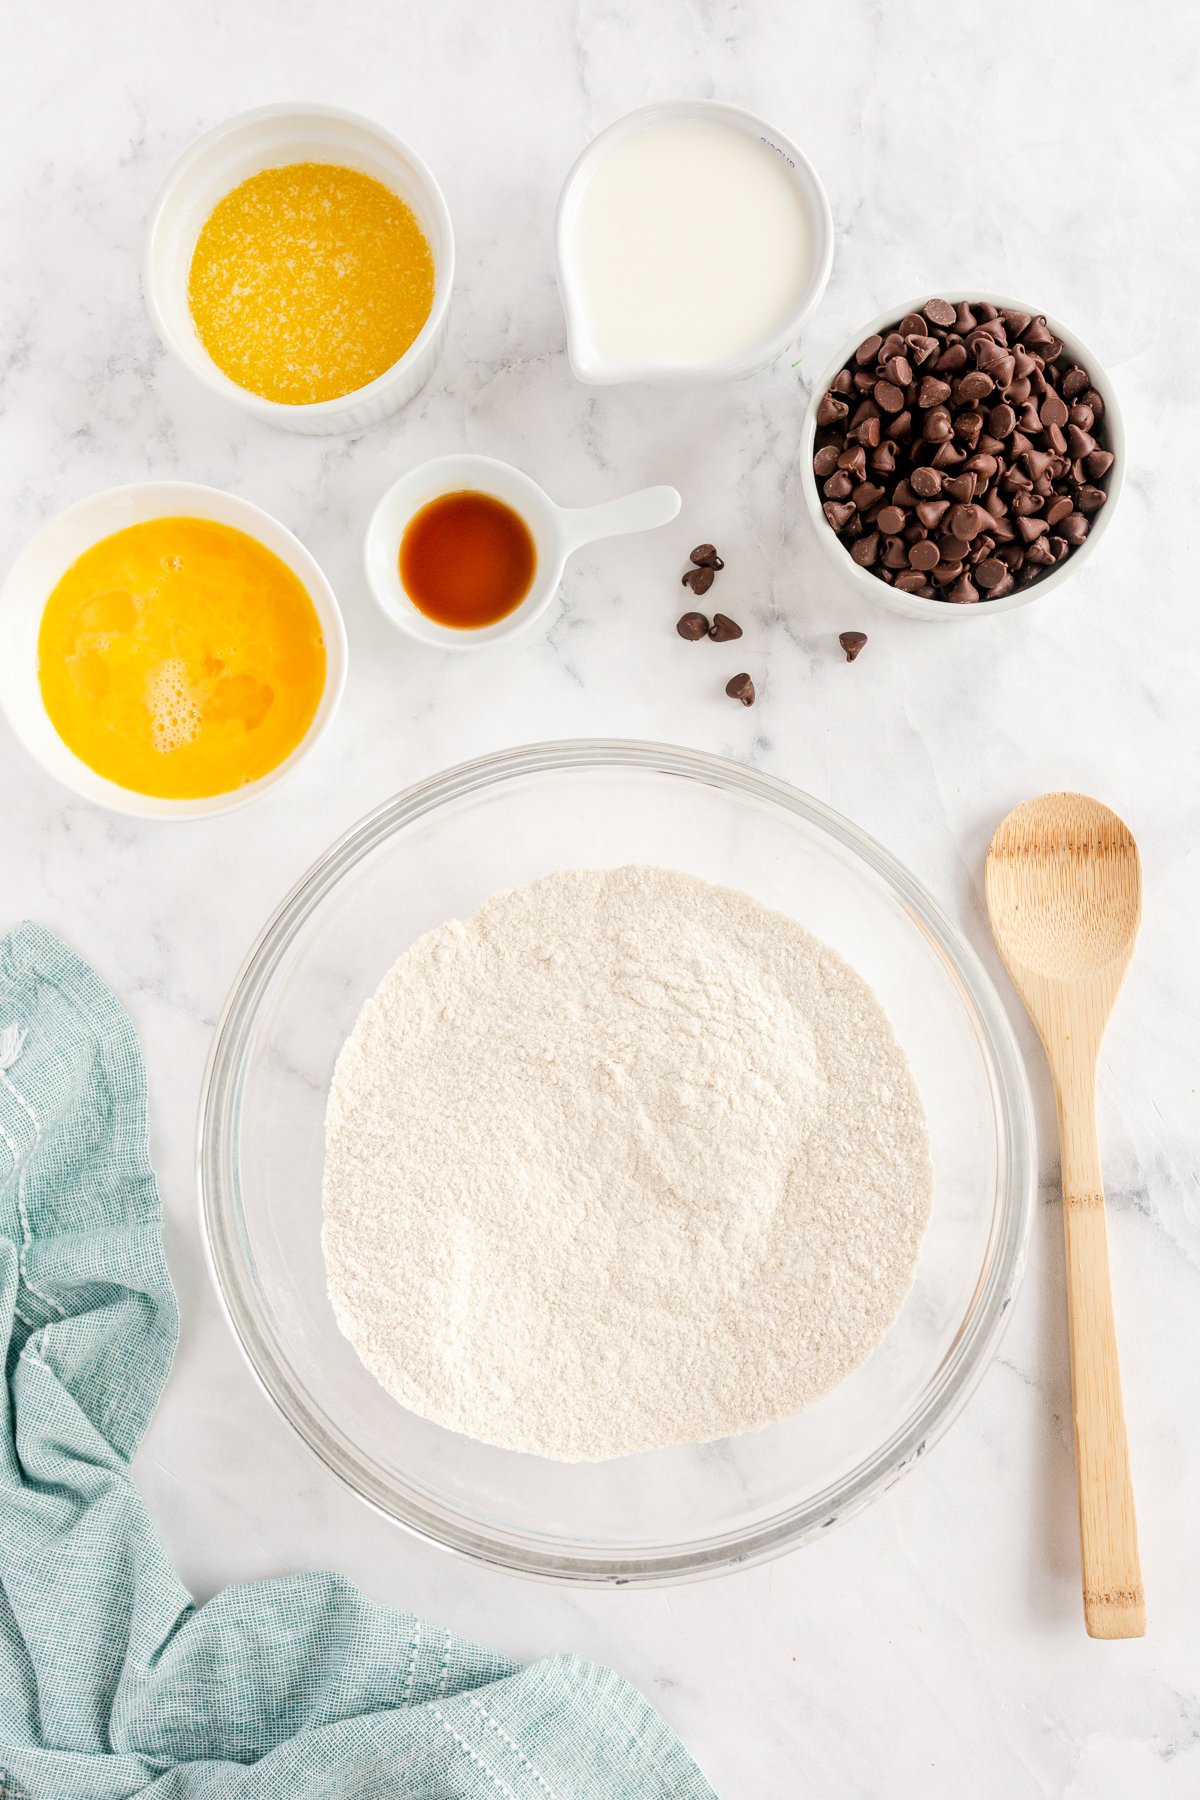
(933, 1646)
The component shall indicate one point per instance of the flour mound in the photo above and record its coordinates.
(626, 1160)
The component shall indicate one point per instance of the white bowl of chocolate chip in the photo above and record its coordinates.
(962, 455)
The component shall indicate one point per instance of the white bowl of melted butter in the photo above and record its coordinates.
(693, 241)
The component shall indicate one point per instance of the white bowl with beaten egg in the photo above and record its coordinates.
(273, 137)
(919, 607)
(45, 560)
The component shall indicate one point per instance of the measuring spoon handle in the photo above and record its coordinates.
(642, 511)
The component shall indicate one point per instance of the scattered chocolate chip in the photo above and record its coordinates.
(705, 557)
(723, 629)
(692, 626)
(700, 580)
(741, 688)
(852, 642)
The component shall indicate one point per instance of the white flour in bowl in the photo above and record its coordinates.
(626, 1160)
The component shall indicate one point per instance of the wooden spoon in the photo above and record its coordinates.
(1064, 895)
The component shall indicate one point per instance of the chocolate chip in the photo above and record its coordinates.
(868, 351)
(824, 463)
(1037, 332)
(975, 385)
(1053, 410)
(920, 348)
(889, 396)
(868, 431)
(932, 391)
(723, 629)
(1091, 499)
(939, 312)
(991, 573)
(890, 520)
(964, 591)
(966, 521)
(741, 688)
(955, 549)
(692, 626)
(924, 555)
(705, 557)
(1002, 421)
(831, 409)
(926, 482)
(930, 512)
(852, 642)
(866, 494)
(911, 581)
(700, 580)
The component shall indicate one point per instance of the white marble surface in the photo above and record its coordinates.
(933, 1647)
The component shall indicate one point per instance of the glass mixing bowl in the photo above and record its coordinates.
(435, 853)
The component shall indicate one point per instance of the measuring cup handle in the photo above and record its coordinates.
(633, 512)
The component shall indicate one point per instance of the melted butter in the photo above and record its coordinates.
(308, 281)
(180, 658)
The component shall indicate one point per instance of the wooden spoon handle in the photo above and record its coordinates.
(1114, 1602)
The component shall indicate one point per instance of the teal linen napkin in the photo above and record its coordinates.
(112, 1682)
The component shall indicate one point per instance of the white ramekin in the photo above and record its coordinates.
(914, 606)
(586, 362)
(46, 558)
(557, 532)
(265, 139)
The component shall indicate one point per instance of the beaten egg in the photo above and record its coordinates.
(181, 658)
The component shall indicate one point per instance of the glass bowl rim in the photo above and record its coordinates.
(519, 1552)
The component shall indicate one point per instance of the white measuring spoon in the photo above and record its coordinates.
(557, 531)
